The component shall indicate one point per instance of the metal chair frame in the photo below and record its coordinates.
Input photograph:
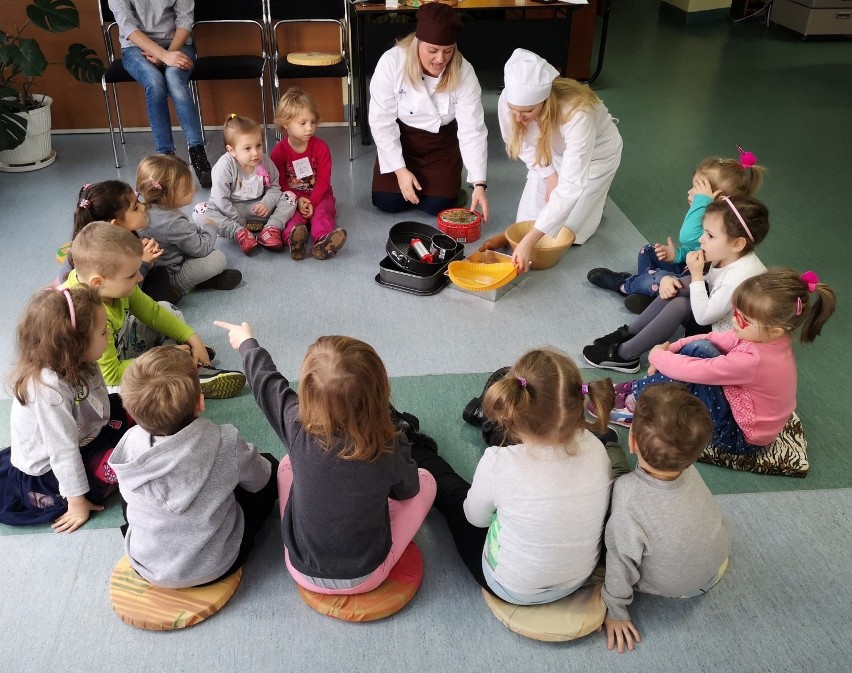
(345, 53)
(107, 24)
(264, 55)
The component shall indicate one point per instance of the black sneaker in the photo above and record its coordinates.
(472, 412)
(402, 420)
(201, 166)
(605, 356)
(227, 280)
(220, 384)
(619, 336)
(608, 280)
(637, 303)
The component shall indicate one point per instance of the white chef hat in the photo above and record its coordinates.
(527, 78)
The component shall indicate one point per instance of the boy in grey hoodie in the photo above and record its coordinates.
(196, 492)
(666, 534)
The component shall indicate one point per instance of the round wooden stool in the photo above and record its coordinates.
(141, 604)
(568, 618)
(385, 600)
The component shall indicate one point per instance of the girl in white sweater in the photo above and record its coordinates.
(529, 526)
(64, 423)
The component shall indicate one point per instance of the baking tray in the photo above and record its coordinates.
(390, 275)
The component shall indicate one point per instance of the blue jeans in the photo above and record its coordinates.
(160, 83)
(726, 432)
(650, 272)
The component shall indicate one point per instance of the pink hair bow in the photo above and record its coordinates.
(811, 279)
(747, 159)
(156, 185)
(84, 203)
(261, 171)
(87, 185)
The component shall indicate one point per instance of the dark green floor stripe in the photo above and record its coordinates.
(438, 401)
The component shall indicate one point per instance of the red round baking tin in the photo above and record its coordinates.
(462, 224)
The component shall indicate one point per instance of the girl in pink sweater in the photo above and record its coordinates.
(746, 376)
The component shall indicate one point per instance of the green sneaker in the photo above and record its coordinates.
(220, 384)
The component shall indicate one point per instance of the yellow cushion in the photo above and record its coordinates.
(313, 58)
(146, 606)
(385, 600)
(568, 618)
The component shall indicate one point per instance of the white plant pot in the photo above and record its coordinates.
(35, 152)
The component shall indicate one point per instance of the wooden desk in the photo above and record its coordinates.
(487, 9)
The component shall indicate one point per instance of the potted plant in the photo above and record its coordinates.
(25, 116)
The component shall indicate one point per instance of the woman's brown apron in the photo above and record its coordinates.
(434, 158)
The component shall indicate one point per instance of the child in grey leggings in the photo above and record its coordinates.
(732, 228)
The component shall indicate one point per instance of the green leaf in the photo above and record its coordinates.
(31, 60)
(10, 54)
(83, 64)
(54, 16)
(13, 126)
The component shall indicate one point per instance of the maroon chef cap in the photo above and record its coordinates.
(438, 24)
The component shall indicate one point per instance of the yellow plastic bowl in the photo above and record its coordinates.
(481, 277)
(548, 251)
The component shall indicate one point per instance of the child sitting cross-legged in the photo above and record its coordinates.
(246, 195)
(351, 496)
(665, 534)
(196, 492)
(107, 258)
(64, 423)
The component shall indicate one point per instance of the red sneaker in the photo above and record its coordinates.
(270, 238)
(246, 240)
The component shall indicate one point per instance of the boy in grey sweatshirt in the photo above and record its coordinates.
(196, 492)
(666, 534)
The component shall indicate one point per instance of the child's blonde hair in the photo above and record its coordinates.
(565, 98)
(755, 214)
(101, 248)
(344, 396)
(450, 78)
(160, 390)
(731, 176)
(781, 297)
(671, 426)
(48, 339)
(163, 178)
(236, 126)
(290, 104)
(542, 396)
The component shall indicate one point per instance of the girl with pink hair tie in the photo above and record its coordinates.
(747, 375)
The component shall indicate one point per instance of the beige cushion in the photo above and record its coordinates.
(146, 606)
(568, 618)
(313, 58)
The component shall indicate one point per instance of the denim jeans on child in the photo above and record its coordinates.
(726, 432)
(160, 83)
(650, 272)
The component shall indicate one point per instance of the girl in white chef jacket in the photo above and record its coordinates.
(565, 135)
(426, 119)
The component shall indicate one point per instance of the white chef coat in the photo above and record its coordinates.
(392, 97)
(586, 153)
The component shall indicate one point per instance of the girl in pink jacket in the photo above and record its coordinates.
(746, 376)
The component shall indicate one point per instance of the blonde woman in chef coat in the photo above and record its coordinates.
(427, 121)
(569, 142)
